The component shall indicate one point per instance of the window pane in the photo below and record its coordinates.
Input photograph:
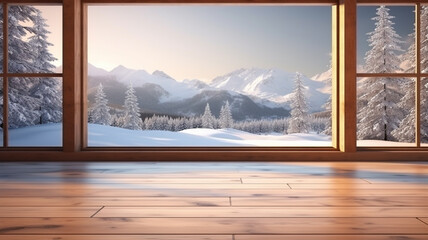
(35, 39)
(386, 112)
(209, 75)
(424, 112)
(424, 39)
(35, 112)
(1, 38)
(385, 39)
(1, 112)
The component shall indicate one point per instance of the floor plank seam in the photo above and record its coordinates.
(366, 180)
(422, 221)
(233, 236)
(230, 201)
(97, 211)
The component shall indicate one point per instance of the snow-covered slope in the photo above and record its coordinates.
(100, 135)
(324, 78)
(177, 90)
(271, 84)
(96, 71)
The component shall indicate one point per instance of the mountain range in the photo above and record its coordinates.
(253, 93)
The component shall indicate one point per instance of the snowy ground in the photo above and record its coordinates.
(51, 135)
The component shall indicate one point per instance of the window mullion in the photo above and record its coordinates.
(5, 79)
(418, 76)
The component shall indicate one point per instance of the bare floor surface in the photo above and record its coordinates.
(213, 201)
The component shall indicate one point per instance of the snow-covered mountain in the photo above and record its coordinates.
(138, 78)
(273, 85)
(325, 78)
(268, 88)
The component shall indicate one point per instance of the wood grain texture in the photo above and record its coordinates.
(6, 212)
(137, 186)
(308, 180)
(113, 237)
(160, 201)
(332, 237)
(212, 226)
(114, 201)
(183, 192)
(310, 201)
(262, 212)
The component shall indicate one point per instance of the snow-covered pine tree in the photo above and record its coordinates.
(424, 68)
(226, 120)
(100, 112)
(207, 118)
(132, 119)
(48, 90)
(299, 108)
(406, 130)
(24, 101)
(22, 106)
(327, 105)
(380, 114)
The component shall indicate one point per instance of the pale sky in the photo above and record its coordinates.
(202, 42)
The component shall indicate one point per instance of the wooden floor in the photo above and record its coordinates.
(213, 201)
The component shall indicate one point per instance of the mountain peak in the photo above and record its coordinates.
(119, 69)
(161, 74)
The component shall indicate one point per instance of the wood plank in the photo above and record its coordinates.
(122, 237)
(37, 180)
(331, 237)
(212, 226)
(309, 180)
(48, 211)
(390, 180)
(114, 201)
(310, 201)
(136, 186)
(261, 212)
(171, 192)
(383, 186)
(181, 192)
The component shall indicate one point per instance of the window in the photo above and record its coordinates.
(209, 76)
(390, 91)
(31, 76)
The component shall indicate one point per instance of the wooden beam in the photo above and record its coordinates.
(347, 75)
(335, 116)
(72, 76)
(418, 78)
(5, 79)
(216, 2)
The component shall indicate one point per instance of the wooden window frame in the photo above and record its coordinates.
(343, 90)
(5, 75)
(417, 76)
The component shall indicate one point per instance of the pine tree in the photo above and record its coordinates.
(380, 114)
(132, 111)
(327, 106)
(299, 108)
(207, 118)
(226, 120)
(48, 90)
(26, 106)
(100, 112)
(406, 130)
(424, 68)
